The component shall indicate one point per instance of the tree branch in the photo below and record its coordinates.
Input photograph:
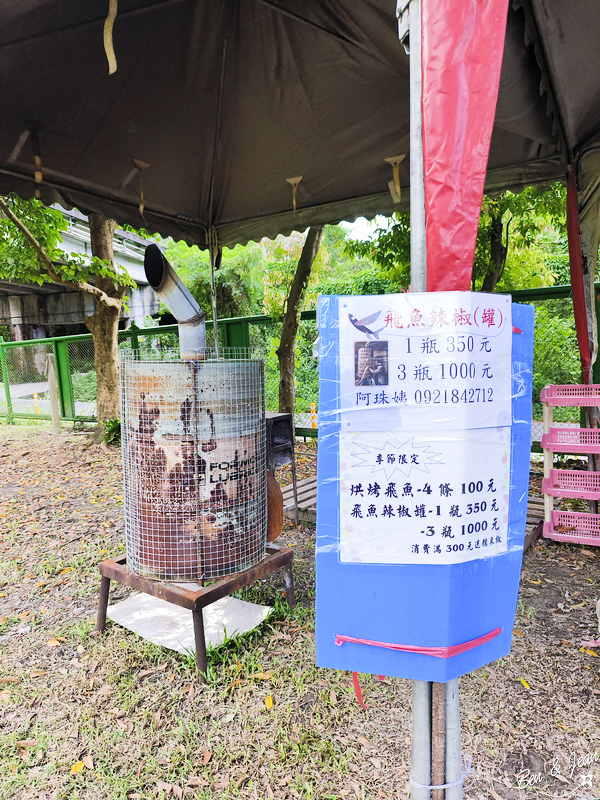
(82, 286)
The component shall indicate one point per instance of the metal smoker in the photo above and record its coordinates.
(193, 450)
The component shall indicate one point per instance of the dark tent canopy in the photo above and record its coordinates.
(215, 105)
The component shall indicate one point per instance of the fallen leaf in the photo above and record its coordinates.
(268, 702)
(27, 743)
(564, 727)
(177, 790)
(77, 767)
(332, 697)
(525, 684)
(364, 742)
(105, 690)
(517, 632)
(164, 787)
(171, 677)
(38, 673)
(52, 642)
(262, 676)
(353, 767)
(151, 671)
(134, 796)
(9, 680)
(206, 757)
(3, 594)
(196, 781)
(117, 712)
(537, 583)
(88, 762)
(376, 763)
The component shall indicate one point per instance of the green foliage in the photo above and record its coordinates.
(84, 386)
(368, 281)
(389, 249)
(556, 255)
(531, 223)
(238, 280)
(112, 432)
(18, 259)
(556, 353)
(20, 262)
(523, 218)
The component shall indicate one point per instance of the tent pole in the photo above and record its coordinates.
(421, 690)
(453, 745)
(418, 244)
(421, 739)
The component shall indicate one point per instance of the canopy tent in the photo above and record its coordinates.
(215, 106)
(225, 101)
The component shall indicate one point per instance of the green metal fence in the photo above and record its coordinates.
(23, 364)
(25, 392)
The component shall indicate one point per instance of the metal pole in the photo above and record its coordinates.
(453, 746)
(53, 390)
(421, 690)
(215, 258)
(421, 739)
(418, 244)
(438, 739)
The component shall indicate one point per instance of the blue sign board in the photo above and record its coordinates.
(423, 469)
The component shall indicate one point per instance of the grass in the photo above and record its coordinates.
(139, 712)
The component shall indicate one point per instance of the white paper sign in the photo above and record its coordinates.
(422, 497)
(439, 360)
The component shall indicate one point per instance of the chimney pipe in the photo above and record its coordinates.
(171, 290)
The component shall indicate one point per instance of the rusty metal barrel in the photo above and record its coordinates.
(194, 464)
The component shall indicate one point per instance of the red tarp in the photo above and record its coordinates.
(463, 42)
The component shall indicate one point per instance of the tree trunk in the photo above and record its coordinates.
(104, 325)
(291, 320)
(498, 253)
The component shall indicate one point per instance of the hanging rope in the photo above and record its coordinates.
(108, 36)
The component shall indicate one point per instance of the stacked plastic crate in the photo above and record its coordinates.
(570, 526)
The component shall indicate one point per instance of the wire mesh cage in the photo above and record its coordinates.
(194, 463)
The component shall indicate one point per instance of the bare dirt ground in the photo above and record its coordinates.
(116, 717)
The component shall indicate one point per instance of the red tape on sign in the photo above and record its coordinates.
(437, 652)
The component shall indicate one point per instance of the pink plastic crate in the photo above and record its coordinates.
(573, 526)
(572, 483)
(571, 395)
(572, 440)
